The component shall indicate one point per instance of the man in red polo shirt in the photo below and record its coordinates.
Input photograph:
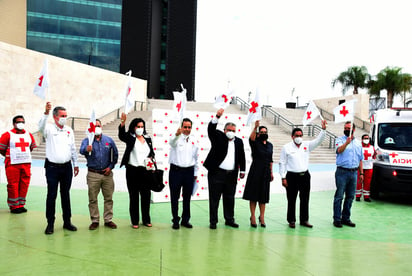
(16, 145)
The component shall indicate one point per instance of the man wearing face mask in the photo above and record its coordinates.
(16, 146)
(293, 168)
(61, 155)
(101, 158)
(226, 157)
(369, 154)
(348, 161)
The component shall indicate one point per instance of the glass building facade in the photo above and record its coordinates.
(85, 31)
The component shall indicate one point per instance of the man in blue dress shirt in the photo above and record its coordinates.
(101, 158)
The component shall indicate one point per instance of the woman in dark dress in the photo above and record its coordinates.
(260, 173)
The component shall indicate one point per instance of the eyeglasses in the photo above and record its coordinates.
(188, 127)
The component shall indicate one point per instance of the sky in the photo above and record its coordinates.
(278, 46)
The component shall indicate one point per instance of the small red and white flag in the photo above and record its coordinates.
(255, 111)
(179, 103)
(344, 112)
(223, 100)
(311, 113)
(91, 128)
(129, 102)
(42, 82)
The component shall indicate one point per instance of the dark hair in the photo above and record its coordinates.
(98, 120)
(296, 129)
(187, 120)
(57, 109)
(260, 128)
(134, 123)
(363, 136)
(17, 117)
(349, 122)
(229, 124)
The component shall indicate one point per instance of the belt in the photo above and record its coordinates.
(177, 168)
(60, 165)
(95, 171)
(347, 169)
(299, 173)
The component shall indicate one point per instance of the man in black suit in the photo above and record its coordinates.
(225, 159)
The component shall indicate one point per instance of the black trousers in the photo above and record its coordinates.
(298, 183)
(55, 174)
(222, 183)
(180, 179)
(137, 185)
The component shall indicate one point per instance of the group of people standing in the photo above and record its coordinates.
(225, 162)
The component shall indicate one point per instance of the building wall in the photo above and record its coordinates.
(13, 22)
(77, 87)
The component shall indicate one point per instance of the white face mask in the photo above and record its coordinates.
(20, 126)
(62, 121)
(298, 140)
(365, 141)
(98, 131)
(230, 135)
(139, 131)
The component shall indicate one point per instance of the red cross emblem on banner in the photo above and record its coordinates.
(150, 164)
(344, 111)
(22, 145)
(41, 80)
(393, 154)
(253, 108)
(179, 106)
(128, 90)
(92, 128)
(308, 115)
(225, 98)
(366, 155)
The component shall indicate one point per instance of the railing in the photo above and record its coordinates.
(283, 122)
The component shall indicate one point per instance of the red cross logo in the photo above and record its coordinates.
(253, 108)
(225, 98)
(366, 155)
(150, 164)
(22, 145)
(308, 114)
(344, 111)
(41, 80)
(179, 106)
(92, 128)
(393, 154)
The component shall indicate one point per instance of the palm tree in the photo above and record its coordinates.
(393, 81)
(356, 77)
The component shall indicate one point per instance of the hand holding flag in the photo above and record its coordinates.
(42, 82)
(345, 111)
(311, 113)
(255, 111)
(179, 104)
(91, 128)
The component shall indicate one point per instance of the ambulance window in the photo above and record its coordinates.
(395, 136)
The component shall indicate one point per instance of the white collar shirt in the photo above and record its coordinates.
(229, 162)
(296, 159)
(60, 144)
(184, 151)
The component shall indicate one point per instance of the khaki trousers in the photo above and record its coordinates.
(97, 182)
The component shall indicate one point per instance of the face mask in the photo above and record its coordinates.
(263, 136)
(365, 141)
(62, 121)
(298, 140)
(230, 135)
(98, 131)
(139, 131)
(20, 126)
(346, 132)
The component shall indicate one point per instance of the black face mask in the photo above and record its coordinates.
(263, 136)
(346, 132)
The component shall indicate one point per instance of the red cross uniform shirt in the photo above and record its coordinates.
(368, 153)
(17, 147)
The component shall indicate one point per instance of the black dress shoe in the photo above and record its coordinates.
(23, 210)
(306, 224)
(16, 211)
(187, 225)
(69, 227)
(49, 229)
(357, 198)
(348, 223)
(212, 226)
(254, 225)
(262, 224)
(232, 224)
(176, 226)
(292, 225)
(337, 224)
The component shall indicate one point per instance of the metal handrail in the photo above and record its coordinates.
(280, 120)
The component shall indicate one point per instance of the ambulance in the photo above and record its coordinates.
(391, 135)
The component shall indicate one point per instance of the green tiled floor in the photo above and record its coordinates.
(381, 244)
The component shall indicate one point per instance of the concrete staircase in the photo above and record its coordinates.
(278, 135)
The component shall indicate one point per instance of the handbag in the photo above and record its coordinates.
(155, 179)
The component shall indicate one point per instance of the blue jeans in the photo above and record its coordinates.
(345, 184)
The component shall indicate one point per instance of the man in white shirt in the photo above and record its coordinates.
(183, 171)
(60, 154)
(293, 168)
